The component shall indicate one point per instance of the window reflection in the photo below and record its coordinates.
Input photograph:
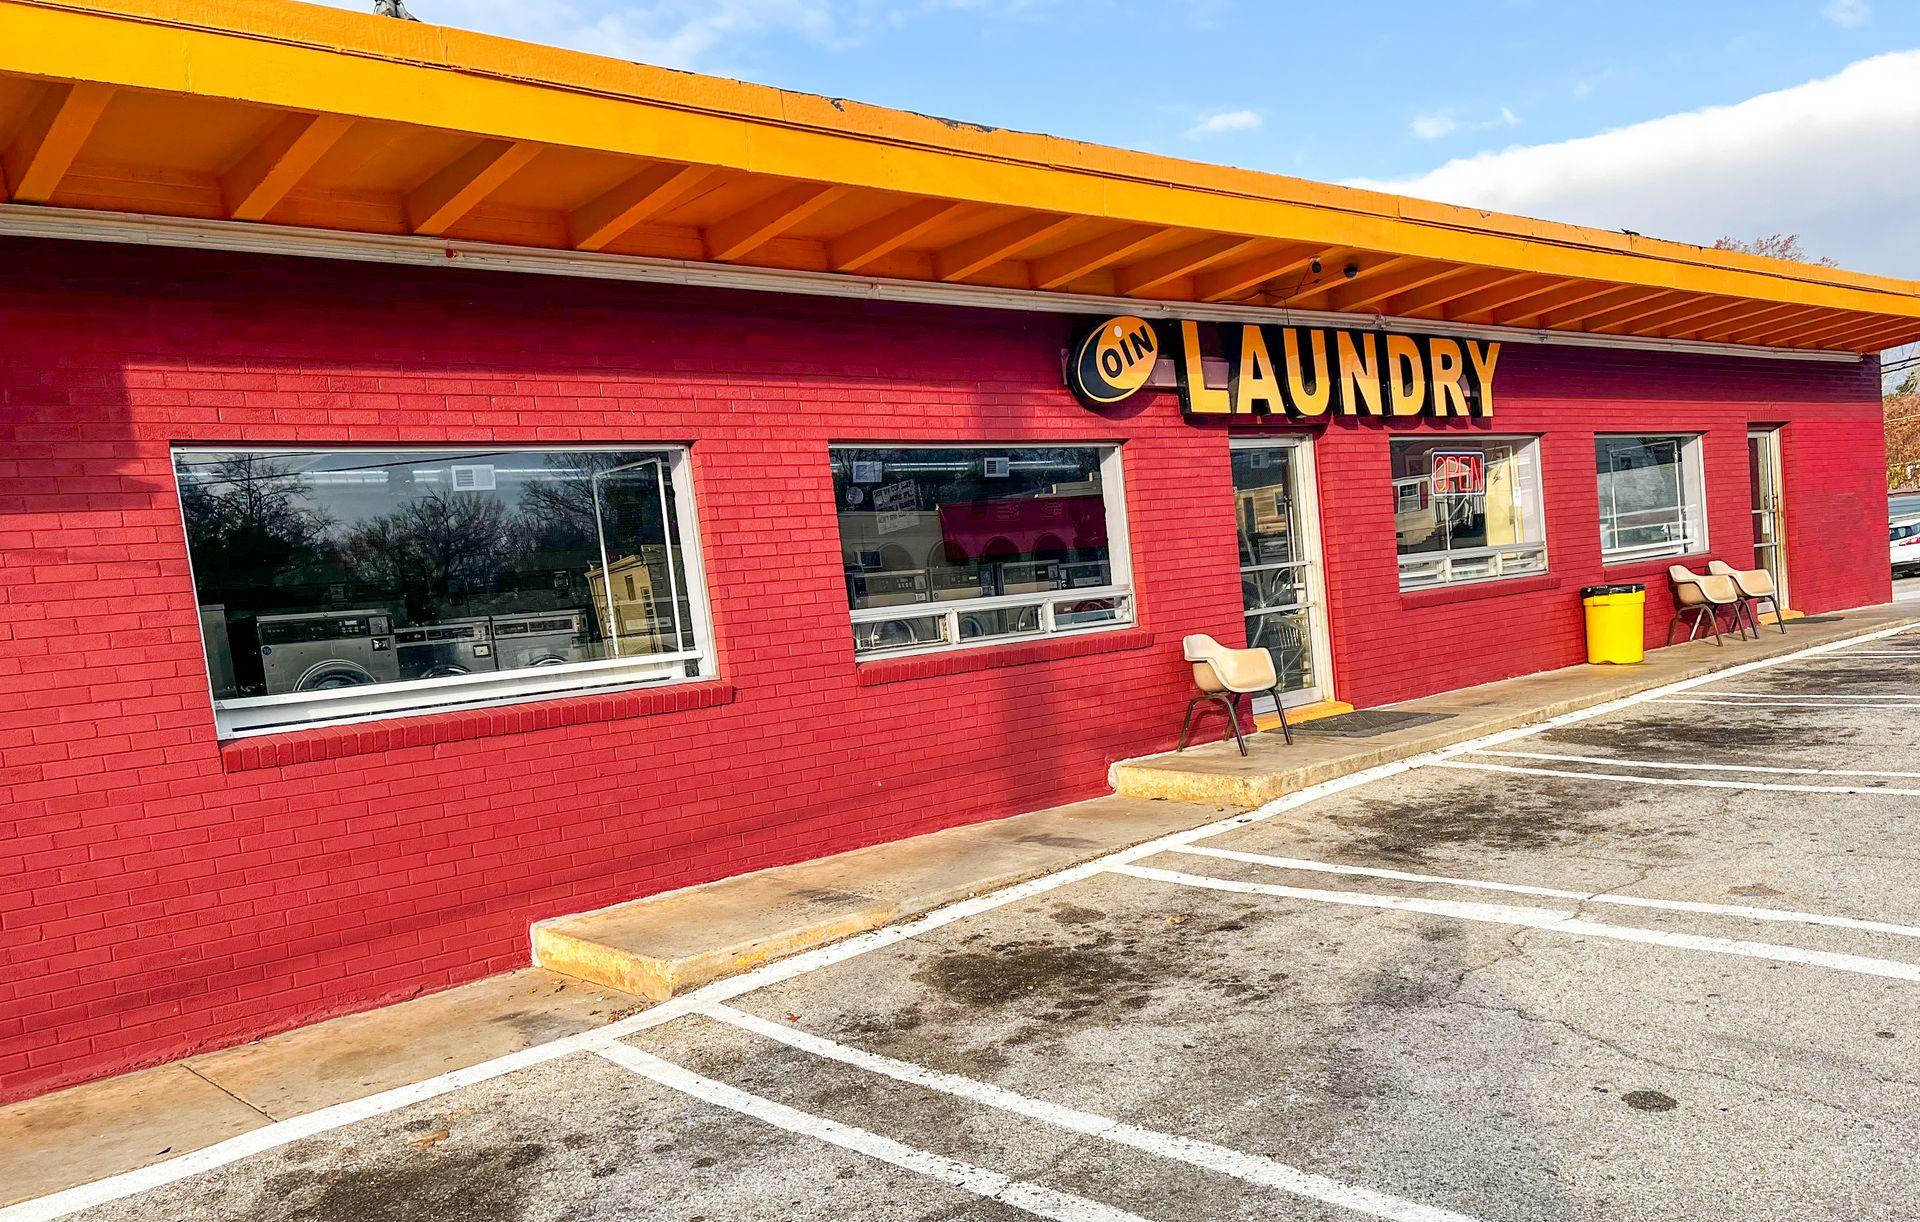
(319, 571)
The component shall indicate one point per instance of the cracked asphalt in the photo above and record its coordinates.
(1441, 1046)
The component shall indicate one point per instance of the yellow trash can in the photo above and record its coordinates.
(1616, 616)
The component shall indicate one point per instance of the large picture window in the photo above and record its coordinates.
(970, 545)
(341, 584)
(1467, 510)
(1652, 497)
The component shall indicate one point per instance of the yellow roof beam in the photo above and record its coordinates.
(58, 126)
(1692, 320)
(1238, 279)
(748, 230)
(1372, 290)
(1833, 331)
(1785, 324)
(997, 245)
(1457, 283)
(1481, 305)
(1148, 275)
(1320, 297)
(1063, 267)
(1582, 315)
(273, 167)
(1621, 315)
(879, 238)
(1530, 312)
(1691, 306)
(612, 214)
(437, 204)
(1747, 323)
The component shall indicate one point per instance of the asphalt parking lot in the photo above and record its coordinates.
(1658, 963)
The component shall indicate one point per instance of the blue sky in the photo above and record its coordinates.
(1389, 93)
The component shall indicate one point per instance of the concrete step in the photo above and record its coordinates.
(1216, 773)
(668, 944)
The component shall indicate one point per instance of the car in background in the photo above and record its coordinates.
(1903, 542)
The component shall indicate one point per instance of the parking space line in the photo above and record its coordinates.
(1544, 919)
(1714, 691)
(1250, 1168)
(1672, 766)
(1783, 704)
(1748, 911)
(246, 1145)
(993, 1185)
(1682, 782)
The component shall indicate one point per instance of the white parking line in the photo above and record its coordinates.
(1783, 704)
(1697, 767)
(1714, 691)
(1679, 782)
(1250, 1168)
(1747, 911)
(994, 1186)
(283, 1132)
(1545, 919)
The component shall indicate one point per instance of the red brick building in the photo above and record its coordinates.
(359, 612)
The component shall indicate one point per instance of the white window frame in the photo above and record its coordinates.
(250, 716)
(1693, 506)
(1473, 565)
(1119, 588)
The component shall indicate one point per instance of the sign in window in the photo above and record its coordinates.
(1467, 510)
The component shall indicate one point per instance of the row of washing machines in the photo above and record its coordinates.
(318, 651)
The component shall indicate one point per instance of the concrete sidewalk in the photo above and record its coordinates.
(616, 959)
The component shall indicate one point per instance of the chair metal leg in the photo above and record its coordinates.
(1778, 618)
(1281, 708)
(1233, 719)
(1186, 726)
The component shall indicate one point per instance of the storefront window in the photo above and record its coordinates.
(1652, 497)
(971, 545)
(1467, 510)
(340, 584)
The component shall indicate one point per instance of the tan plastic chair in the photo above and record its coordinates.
(1702, 596)
(1223, 676)
(1755, 584)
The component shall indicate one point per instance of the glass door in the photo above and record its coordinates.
(1769, 526)
(1279, 563)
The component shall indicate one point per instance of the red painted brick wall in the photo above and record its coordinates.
(160, 896)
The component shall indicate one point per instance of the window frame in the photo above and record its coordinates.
(1497, 557)
(1119, 587)
(1693, 495)
(251, 716)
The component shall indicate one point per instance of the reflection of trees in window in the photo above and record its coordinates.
(247, 523)
(439, 544)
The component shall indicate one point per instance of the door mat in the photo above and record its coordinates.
(1365, 723)
(1814, 619)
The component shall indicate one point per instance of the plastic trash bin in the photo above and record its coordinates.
(1615, 618)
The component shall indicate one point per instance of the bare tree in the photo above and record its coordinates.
(1774, 246)
(439, 543)
(1902, 407)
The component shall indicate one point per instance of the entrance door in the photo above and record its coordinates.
(1280, 563)
(1769, 526)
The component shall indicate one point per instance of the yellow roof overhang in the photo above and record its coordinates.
(271, 113)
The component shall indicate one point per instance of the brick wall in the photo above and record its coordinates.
(162, 895)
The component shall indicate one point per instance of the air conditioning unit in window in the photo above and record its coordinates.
(473, 477)
(998, 467)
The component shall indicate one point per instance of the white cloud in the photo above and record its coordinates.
(1848, 13)
(1221, 122)
(1826, 159)
(1438, 123)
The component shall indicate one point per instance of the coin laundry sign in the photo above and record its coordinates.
(1302, 372)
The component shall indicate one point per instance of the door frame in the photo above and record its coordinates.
(1306, 494)
(1771, 442)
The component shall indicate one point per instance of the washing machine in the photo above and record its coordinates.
(321, 650)
(539, 638)
(451, 647)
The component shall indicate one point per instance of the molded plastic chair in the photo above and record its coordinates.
(1755, 584)
(1223, 676)
(1702, 596)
